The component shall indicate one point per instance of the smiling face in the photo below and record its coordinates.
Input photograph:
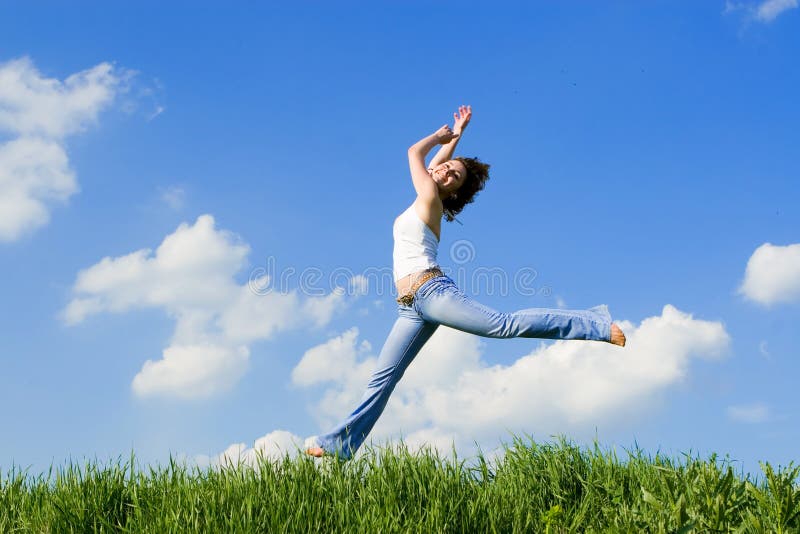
(449, 176)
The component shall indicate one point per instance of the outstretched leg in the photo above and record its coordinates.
(441, 301)
(408, 335)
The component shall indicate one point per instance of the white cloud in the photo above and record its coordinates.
(191, 276)
(252, 316)
(33, 105)
(192, 269)
(768, 10)
(39, 113)
(272, 447)
(773, 274)
(450, 393)
(321, 309)
(329, 361)
(190, 371)
(749, 413)
(33, 173)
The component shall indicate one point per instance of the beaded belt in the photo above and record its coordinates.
(408, 298)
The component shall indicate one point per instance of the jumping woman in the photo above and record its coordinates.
(428, 298)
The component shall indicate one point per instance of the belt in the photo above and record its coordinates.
(408, 298)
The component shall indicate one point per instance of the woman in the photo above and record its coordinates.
(428, 298)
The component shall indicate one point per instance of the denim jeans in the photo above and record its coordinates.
(440, 301)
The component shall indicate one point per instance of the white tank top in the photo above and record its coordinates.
(415, 244)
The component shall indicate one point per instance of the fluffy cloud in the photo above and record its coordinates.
(191, 276)
(768, 10)
(273, 447)
(773, 274)
(192, 371)
(192, 270)
(33, 173)
(33, 105)
(450, 394)
(330, 361)
(39, 113)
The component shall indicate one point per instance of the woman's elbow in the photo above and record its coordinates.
(415, 154)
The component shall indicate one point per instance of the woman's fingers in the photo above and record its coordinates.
(464, 113)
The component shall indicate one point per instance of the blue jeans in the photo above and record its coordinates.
(439, 301)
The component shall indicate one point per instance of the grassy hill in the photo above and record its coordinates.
(551, 487)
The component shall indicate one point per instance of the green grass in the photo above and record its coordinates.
(551, 487)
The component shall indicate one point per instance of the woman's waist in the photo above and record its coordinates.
(406, 284)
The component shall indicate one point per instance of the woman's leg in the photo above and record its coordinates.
(441, 301)
(408, 335)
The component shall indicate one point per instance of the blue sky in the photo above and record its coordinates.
(155, 161)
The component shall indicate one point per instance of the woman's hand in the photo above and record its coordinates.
(444, 135)
(461, 118)
(449, 138)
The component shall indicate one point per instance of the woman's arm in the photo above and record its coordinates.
(423, 183)
(460, 121)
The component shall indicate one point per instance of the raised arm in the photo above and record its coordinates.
(423, 183)
(460, 121)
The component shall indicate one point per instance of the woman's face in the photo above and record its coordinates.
(450, 175)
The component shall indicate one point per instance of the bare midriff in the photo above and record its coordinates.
(404, 284)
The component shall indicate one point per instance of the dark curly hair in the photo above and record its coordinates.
(477, 174)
